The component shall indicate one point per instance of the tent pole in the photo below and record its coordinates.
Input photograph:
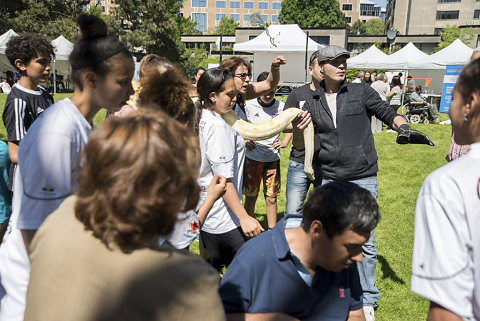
(306, 56)
(54, 78)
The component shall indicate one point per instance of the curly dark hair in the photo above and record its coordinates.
(27, 46)
(136, 175)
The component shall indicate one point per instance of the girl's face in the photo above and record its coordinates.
(115, 88)
(367, 76)
(461, 128)
(242, 79)
(223, 102)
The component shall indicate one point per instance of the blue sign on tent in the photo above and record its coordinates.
(451, 75)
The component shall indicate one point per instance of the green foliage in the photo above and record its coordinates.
(151, 26)
(256, 20)
(357, 28)
(375, 26)
(10, 9)
(193, 58)
(226, 26)
(450, 33)
(187, 26)
(312, 13)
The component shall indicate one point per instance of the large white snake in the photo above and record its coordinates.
(261, 131)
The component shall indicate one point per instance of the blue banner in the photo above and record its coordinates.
(449, 79)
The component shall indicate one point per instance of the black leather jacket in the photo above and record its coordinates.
(347, 152)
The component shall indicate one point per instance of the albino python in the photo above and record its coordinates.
(259, 131)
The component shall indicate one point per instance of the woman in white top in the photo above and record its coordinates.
(222, 150)
(446, 252)
(102, 70)
(395, 94)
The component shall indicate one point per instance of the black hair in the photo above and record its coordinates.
(94, 49)
(469, 80)
(313, 58)
(27, 46)
(396, 82)
(263, 76)
(340, 206)
(212, 80)
(419, 89)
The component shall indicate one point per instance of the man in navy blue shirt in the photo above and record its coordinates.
(303, 268)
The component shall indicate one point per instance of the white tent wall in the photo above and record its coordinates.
(291, 72)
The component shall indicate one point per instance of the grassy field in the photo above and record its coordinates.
(402, 171)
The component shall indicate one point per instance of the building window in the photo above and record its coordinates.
(476, 14)
(263, 5)
(235, 16)
(447, 1)
(347, 7)
(323, 40)
(274, 17)
(369, 10)
(447, 15)
(437, 31)
(264, 17)
(278, 5)
(235, 4)
(246, 17)
(220, 4)
(248, 5)
(201, 20)
(199, 3)
(219, 16)
(348, 19)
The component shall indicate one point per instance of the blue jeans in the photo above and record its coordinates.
(297, 186)
(366, 268)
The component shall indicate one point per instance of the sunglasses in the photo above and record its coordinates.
(243, 75)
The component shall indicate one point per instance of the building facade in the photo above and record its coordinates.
(360, 10)
(208, 13)
(104, 5)
(429, 17)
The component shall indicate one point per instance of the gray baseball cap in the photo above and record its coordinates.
(331, 52)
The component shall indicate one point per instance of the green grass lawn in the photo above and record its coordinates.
(402, 171)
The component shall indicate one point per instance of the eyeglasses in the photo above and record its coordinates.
(243, 75)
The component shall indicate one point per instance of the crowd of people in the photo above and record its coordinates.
(102, 217)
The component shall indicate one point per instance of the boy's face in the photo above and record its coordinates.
(268, 97)
(37, 69)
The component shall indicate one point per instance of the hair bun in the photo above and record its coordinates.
(92, 27)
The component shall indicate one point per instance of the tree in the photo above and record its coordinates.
(151, 26)
(357, 28)
(187, 26)
(375, 26)
(312, 13)
(193, 58)
(227, 26)
(9, 11)
(450, 33)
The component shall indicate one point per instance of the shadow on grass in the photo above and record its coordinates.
(387, 270)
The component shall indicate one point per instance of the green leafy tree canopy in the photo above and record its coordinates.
(450, 33)
(227, 26)
(375, 26)
(312, 13)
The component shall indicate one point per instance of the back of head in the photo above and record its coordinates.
(475, 54)
(381, 76)
(469, 80)
(95, 49)
(418, 89)
(234, 62)
(360, 74)
(27, 46)
(263, 76)
(166, 87)
(396, 81)
(212, 80)
(153, 61)
(137, 173)
(340, 206)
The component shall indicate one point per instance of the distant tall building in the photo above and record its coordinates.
(360, 10)
(104, 5)
(208, 13)
(428, 17)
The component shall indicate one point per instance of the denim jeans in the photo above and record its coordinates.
(297, 186)
(366, 268)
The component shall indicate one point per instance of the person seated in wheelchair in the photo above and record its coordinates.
(416, 100)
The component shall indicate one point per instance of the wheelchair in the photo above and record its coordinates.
(416, 112)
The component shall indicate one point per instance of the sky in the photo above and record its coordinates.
(381, 3)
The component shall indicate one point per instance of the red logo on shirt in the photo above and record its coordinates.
(194, 225)
(341, 292)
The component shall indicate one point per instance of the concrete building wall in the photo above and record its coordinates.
(354, 13)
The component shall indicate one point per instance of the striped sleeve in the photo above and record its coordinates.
(14, 119)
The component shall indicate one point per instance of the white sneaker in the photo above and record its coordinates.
(369, 313)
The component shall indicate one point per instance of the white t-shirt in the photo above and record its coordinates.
(332, 105)
(6, 89)
(396, 99)
(223, 151)
(446, 252)
(257, 114)
(185, 231)
(44, 178)
(382, 88)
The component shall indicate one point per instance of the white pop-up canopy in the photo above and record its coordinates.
(400, 60)
(457, 53)
(62, 48)
(288, 41)
(4, 38)
(367, 57)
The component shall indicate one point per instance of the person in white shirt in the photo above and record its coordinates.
(262, 158)
(446, 251)
(102, 70)
(382, 88)
(359, 79)
(5, 87)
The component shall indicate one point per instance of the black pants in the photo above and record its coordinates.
(223, 247)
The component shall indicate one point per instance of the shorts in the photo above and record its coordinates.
(223, 247)
(254, 172)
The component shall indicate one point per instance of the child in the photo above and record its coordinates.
(31, 55)
(102, 70)
(262, 158)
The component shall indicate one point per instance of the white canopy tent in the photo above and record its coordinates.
(364, 59)
(4, 63)
(62, 48)
(457, 53)
(288, 41)
(400, 60)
